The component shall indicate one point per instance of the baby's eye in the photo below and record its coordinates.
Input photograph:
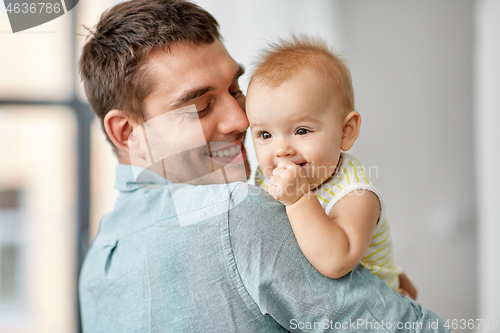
(265, 135)
(302, 131)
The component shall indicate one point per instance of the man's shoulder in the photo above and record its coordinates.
(254, 208)
(251, 194)
(257, 225)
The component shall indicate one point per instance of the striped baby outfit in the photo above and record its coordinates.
(350, 176)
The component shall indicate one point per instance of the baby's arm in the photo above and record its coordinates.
(334, 244)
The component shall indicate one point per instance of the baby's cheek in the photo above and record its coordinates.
(267, 170)
(265, 164)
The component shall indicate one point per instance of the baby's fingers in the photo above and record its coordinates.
(274, 180)
(275, 191)
(279, 172)
(286, 163)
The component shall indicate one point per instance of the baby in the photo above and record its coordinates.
(300, 104)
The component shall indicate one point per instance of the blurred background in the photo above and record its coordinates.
(427, 80)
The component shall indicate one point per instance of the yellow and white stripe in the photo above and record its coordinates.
(351, 176)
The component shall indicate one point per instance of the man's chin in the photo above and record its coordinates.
(198, 167)
(209, 171)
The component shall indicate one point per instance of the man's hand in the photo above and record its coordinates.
(288, 182)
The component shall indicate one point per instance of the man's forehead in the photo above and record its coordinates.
(184, 62)
(185, 69)
(183, 55)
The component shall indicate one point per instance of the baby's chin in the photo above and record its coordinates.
(313, 186)
(315, 181)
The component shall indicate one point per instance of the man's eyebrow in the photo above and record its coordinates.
(195, 93)
(192, 94)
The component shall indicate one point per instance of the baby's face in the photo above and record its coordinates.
(296, 121)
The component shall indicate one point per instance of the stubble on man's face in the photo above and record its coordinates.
(196, 123)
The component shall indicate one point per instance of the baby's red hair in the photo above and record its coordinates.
(285, 58)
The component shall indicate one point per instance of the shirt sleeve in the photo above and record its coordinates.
(284, 285)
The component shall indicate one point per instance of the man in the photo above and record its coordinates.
(173, 257)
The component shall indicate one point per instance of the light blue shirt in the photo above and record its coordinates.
(222, 258)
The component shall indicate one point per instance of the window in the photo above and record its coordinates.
(38, 218)
(11, 240)
(44, 163)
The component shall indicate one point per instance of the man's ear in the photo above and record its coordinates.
(118, 127)
(350, 129)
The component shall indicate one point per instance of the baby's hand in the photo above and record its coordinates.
(288, 182)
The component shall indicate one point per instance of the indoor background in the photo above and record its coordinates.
(426, 77)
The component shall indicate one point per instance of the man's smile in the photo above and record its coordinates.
(226, 152)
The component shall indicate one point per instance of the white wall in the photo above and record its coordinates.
(487, 135)
(413, 72)
(248, 26)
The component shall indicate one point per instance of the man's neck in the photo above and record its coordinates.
(123, 158)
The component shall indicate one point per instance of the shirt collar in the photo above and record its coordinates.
(126, 180)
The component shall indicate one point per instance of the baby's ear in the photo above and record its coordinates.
(350, 129)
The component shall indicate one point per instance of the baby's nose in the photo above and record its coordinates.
(285, 150)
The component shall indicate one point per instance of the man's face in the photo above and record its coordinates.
(195, 118)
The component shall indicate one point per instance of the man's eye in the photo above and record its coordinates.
(235, 93)
(302, 131)
(201, 113)
(265, 135)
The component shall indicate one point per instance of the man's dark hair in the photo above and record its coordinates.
(112, 64)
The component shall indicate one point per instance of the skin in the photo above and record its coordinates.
(196, 97)
(187, 68)
(292, 126)
(296, 122)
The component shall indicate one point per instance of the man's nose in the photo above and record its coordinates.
(234, 119)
